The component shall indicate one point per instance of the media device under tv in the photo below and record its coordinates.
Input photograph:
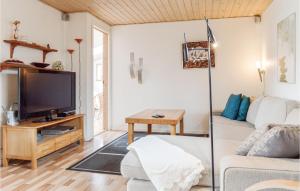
(43, 93)
(57, 130)
(65, 114)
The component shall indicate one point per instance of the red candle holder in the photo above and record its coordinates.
(78, 40)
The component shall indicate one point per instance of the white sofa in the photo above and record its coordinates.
(233, 172)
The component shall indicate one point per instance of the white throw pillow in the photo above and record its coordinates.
(253, 109)
(293, 117)
(273, 110)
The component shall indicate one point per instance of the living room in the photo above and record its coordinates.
(137, 63)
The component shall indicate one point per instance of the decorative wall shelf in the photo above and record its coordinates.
(5, 66)
(15, 43)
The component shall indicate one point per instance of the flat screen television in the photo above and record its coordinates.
(42, 92)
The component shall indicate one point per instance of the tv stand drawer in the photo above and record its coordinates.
(75, 136)
(62, 141)
(54, 144)
(46, 148)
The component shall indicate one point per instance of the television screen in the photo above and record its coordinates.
(42, 91)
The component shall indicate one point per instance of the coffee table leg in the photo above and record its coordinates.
(173, 130)
(130, 133)
(149, 129)
(181, 127)
(33, 163)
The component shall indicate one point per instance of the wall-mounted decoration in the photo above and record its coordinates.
(286, 49)
(198, 58)
(16, 25)
(132, 65)
(136, 70)
(140, 71)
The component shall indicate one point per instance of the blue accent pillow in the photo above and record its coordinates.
(232, 106)
(244, 106)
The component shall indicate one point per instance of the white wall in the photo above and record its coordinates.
(81, 25)
(42, 24)
(39, 23)
(76, 28)
(278, 11)
(166, 84)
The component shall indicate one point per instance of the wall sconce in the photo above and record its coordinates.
(136, 70)
(261, 71)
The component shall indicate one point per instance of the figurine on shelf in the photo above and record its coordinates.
(16, 25)
(58, 66)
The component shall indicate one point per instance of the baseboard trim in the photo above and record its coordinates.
(165, 130)
(185, 134)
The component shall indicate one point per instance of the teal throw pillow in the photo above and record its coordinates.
(232, 107)
(243, 110)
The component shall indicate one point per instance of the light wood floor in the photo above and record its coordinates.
(52, 174)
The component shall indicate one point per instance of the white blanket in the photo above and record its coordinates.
(168, 167)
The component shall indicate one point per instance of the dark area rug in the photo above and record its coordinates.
(108, 158)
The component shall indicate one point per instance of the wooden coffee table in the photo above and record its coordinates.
(172, 118)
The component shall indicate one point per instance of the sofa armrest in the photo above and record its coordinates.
(275, 184)
(240, 172)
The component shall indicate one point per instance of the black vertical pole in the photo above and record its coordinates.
(210, 38)
(210, 109)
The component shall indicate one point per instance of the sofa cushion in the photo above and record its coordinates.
(232, 106)
(138, 185)
(273, 110)
(230, 129)
(145, 185)
(293, 117)
(253, 109)
(197, 146)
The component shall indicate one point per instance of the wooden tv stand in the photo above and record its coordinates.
(20, 142)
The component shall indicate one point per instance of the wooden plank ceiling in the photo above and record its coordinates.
(122, 12)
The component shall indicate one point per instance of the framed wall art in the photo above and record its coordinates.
(286, 49)
(198, 58)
